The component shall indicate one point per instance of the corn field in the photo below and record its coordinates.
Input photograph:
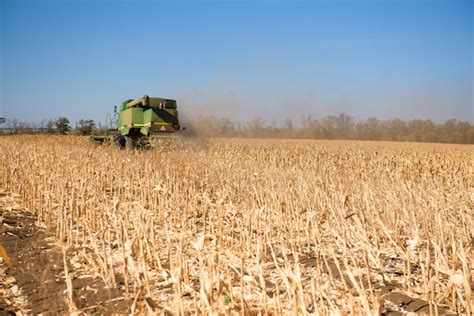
(248, 226)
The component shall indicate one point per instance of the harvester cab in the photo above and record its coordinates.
(140, 120)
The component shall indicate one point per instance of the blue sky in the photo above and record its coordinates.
(407, 59)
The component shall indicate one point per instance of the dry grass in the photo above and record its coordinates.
(267, 226)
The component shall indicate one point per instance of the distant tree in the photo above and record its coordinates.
(396, 129)
(25, 128)
(289, 124)
(344, 126)
(86, 126)
(50, 126)
(62, 125)
(35, 127)
(255, 126)
(470, 135)
(42, 125)
(328, 126)
(310, 127)
(307, 121)
(12, 125)
(370, 129)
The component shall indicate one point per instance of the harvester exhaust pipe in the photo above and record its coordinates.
(145, 101)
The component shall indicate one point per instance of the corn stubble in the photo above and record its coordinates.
(248, 226)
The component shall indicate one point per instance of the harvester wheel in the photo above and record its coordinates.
(130, 143)
(119, 140)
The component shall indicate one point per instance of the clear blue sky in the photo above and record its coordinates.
(407, 59)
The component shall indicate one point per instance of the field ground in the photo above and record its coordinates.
(236, 226)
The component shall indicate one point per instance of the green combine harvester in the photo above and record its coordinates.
(139, 121)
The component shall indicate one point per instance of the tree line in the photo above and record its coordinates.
(342, 126)
(61, 125)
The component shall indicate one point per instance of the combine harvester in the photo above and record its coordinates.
(139, 121)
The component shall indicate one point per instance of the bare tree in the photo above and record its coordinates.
(255, 126)
(12, 125)
(86, 126)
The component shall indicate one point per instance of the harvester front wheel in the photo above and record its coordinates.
(119, 140)
(131, 143)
